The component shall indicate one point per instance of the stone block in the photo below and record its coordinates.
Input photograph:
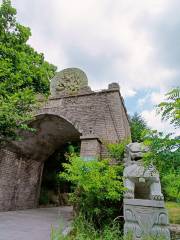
(145, 217)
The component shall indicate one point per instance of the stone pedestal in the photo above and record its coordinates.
(90, 147)
(145, 217)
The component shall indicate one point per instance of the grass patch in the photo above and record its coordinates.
(84, 230)
(174, 212)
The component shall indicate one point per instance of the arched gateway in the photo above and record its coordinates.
(73, 113)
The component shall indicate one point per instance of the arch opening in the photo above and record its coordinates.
(51, 131)
(54, 190)
(38, 148)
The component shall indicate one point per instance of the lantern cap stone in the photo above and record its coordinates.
(113, 85)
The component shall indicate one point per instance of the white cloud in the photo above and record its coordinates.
(152, 98)
(112, 41)
(104, 37)
(143, 101)
(154, 121)
(127, 91)
(157, 97)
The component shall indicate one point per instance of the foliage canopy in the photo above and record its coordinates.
(165, 155)
(170, 108)
(138, 128)
(165, 148)
(23, 74)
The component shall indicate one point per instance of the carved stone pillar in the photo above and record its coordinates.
(90, 147)
(145, 217)
(144, 210)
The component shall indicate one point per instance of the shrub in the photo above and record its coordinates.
(98, 188)
(171, 185)
(116, 150)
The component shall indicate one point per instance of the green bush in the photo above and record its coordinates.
(98, 188)
(171, 185)
(116, 150)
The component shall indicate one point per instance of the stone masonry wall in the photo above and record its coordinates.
(90, 147)
(97, 113)
(102, 113)
(28, 184)
(19, 181)
(8, 173)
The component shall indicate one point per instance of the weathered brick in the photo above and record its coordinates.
(60, 120)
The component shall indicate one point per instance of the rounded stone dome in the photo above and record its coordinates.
(68, 81)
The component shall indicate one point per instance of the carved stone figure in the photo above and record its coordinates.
(144, 211)
(134, 152)
(68, 81)
(136, 176)
(140, 182)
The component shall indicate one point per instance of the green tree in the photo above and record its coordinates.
(138, 127)
(165, 148)
(165, 155)
(170, 108)
(23, 74)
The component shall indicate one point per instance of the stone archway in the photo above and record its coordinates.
(73, 111)
(21, 169)
(51, 132)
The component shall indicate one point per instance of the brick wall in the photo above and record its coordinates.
(8, 173)
(97, 113)
(19, 181)
(102, 113)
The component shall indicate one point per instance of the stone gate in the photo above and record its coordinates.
(73, 112)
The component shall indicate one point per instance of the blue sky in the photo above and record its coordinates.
(134, 43)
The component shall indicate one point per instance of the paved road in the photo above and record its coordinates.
(34, 224)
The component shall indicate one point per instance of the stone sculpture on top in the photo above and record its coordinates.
(136, 175)
(68, 82)
(144, 211)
